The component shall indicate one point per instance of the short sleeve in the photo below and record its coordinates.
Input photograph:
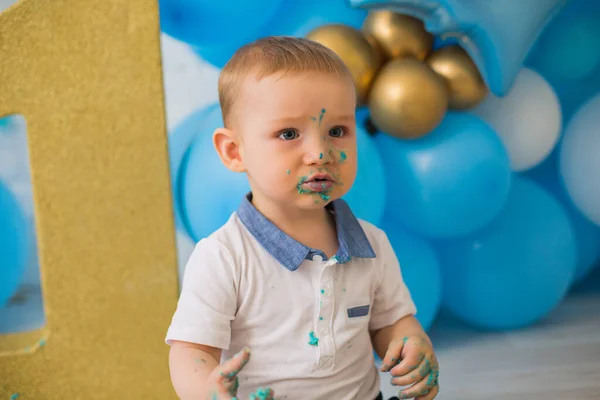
(208, 299)
(392, 299)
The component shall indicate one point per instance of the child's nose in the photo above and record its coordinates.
(318, 153)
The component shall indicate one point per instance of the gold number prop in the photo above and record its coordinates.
(87, 77)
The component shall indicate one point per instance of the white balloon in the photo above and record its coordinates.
(528, 119)
(185, 247)
(190, 83)
(580, 161)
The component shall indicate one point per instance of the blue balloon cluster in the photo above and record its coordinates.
(14, 244)
(460, 222)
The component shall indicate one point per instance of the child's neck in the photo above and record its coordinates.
(313, 228)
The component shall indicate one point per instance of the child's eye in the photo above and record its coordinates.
(337, 132)
(288, 134)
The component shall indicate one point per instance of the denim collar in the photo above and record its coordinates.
(289, 252)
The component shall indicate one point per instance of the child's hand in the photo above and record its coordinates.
(412, 362)
(223, 381)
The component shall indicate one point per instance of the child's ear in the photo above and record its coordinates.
(228, 148)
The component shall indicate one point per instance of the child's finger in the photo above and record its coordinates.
(423, 387)
(406, 380)
(412, 360)
(262, 394)
(416, 372)
(232, 386)
(230, 368)
(392, 356)
(431, 394)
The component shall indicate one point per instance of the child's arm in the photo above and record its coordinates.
(190, 365)
(397, 336)
(197, 375)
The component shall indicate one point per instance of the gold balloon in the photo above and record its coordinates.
(407, 100)
(398, 35)
(355, 50)
(465, 85)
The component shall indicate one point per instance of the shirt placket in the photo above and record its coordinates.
(325, 319)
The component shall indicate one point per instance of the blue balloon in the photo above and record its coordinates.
(15, 241)
(4, 122)
(214, 23)
(450, 182)
(218, 56)
(496, 34)
(293, 18)
(420, 270)
(209, 191)
(180, 141)
(516, 270)
(568, 71)
(298, 18)
(367, 195)
(566, 50)
(587, 234)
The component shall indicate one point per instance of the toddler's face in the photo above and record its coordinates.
(298, 137)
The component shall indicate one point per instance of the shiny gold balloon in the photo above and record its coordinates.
(465, 85)
(407, 100)
(399, 35)
(355, 50)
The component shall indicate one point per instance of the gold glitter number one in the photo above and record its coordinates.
(87, 77)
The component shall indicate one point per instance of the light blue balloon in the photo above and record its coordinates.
(587, 234)
(209, 191)
(497, 34)
(517, 269)
(213, 23)
(15, 241)
(579, 164)
(366, 198)
(180, 140)
(450, 182)
(420, 270)
(298, 18)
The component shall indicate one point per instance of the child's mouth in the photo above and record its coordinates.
(318, 183)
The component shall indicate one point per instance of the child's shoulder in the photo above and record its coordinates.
(229, 236)
(374, 234)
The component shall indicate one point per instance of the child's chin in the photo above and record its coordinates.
(316, 200)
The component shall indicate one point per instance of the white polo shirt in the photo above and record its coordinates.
(250, 284)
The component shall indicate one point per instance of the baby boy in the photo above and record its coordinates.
(289, 298)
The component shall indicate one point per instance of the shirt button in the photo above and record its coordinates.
(317, 257)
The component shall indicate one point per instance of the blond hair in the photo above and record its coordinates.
(275, 54)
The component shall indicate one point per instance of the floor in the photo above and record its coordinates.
(558, 359)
